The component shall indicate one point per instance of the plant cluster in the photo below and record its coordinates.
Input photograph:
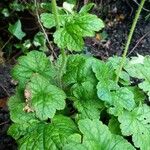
(75, 101)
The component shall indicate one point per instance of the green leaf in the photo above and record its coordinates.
(34, 62)
(48, 20)
(137, 124)
(139, 96)
(45, 98)
(121, 99)
(66, 39)
(86, 101)
(138, 67)
(49, 136)
(79, 70)
(96, 136)
(22, 119)
(40, 41)
(71, 35)
(86, 8)
(114, 62)
(16, 30)
(113, 126)
(105, 75)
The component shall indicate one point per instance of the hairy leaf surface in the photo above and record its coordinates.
(137, 124)
(45, 97)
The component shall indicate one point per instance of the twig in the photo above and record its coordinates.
(138, 42)
(6, 43)
(5, 90)
(129, 40)
(46, 36)
(143, 7)
(4, 123)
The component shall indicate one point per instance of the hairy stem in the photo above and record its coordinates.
(129, 40)
(55, 12)
(42, 28)
(63, 63)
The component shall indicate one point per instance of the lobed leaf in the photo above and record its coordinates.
(137, 124)
(34, 62)
(96, 136)
(45, 97)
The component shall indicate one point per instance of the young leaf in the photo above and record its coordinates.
(86, 101)
(86, 8)
(138, 67)
(45, 98)
(137, 124)
(96, 136)
(16, 30)
(71, 35)
(48, 20)
(49, 136)
(34, 62)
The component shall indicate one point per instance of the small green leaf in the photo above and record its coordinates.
(48, 20)
(66, 39)
(86, 8)
(68, 6)
(137, 124)
(16, 30)
(33, 62)
(45, 98)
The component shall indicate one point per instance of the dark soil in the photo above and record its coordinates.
(118, 23)
(6, 89)
(117, 30)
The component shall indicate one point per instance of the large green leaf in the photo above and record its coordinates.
(96, 136)
(139, 68)
(16, 30)
(45, 97)
(49, 136)
(71, 35)
(87, 102)
(137, 124)
(79, 70)
(34, 62)
(22, 119)
(115, 97)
